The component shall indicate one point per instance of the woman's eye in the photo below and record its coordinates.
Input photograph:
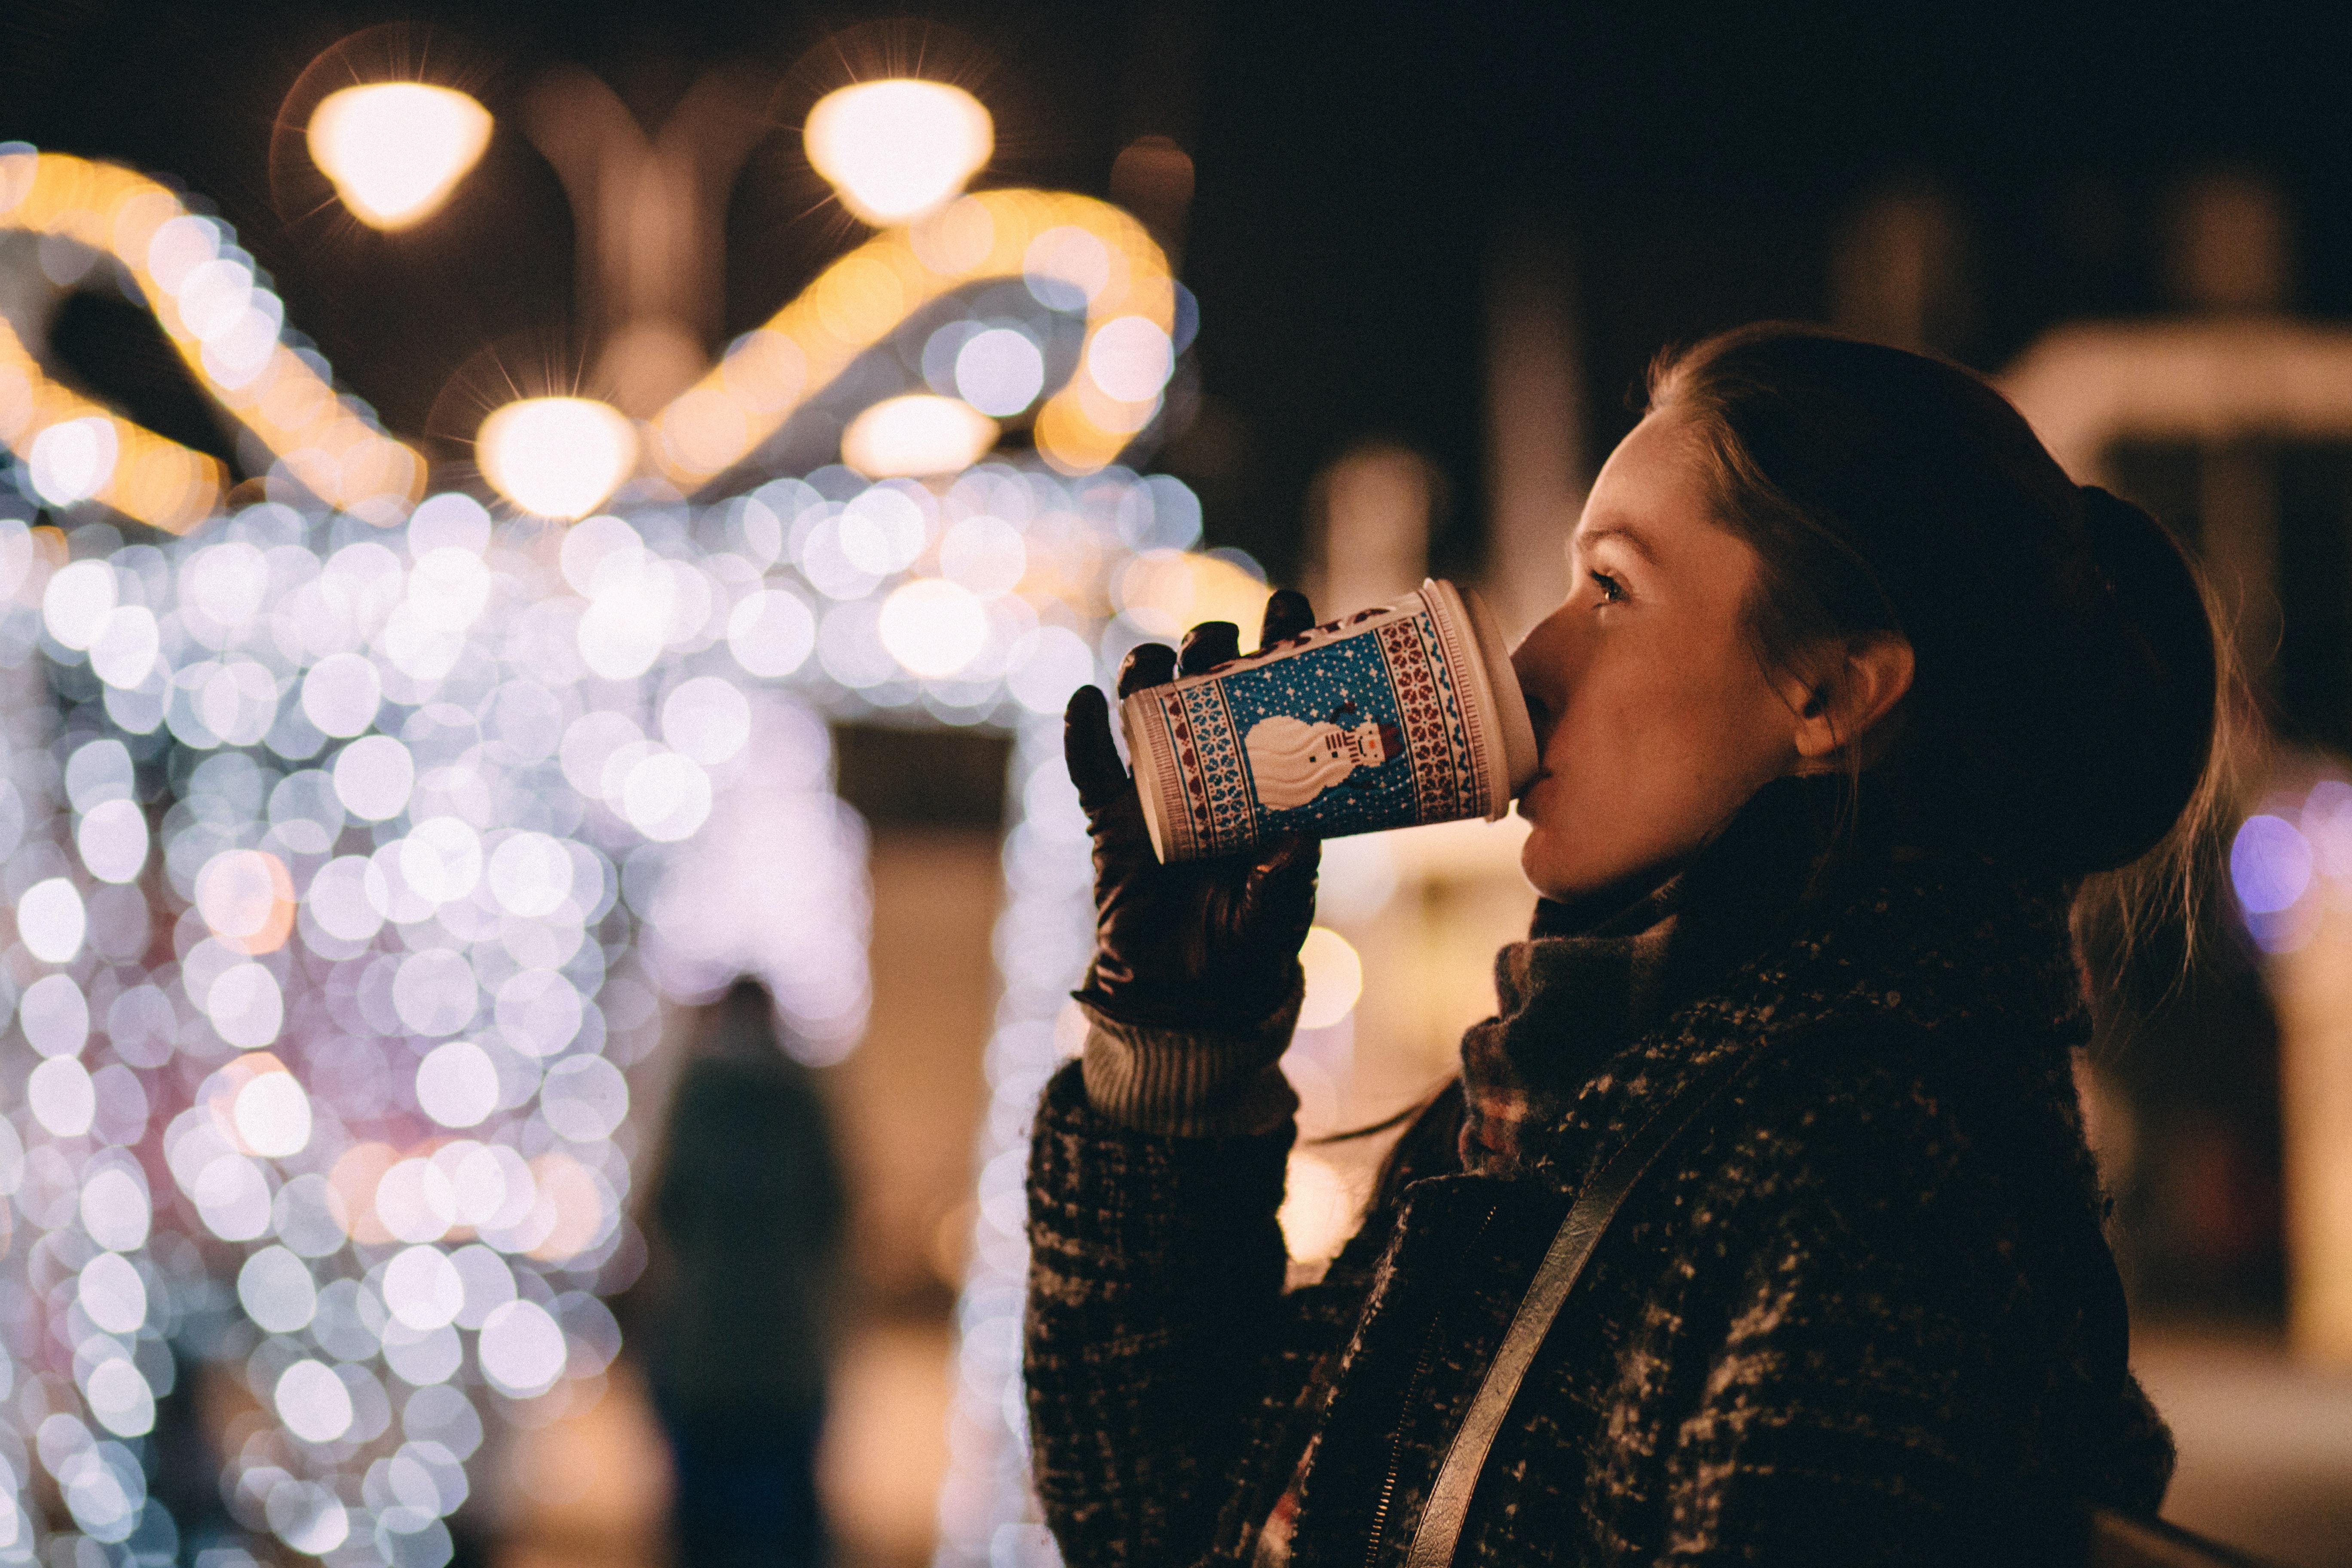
(1611, 591)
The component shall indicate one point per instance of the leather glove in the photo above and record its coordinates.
(1209, 945)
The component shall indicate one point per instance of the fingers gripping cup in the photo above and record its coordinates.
(1396, 716)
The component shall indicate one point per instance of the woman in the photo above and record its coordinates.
(1852, 691)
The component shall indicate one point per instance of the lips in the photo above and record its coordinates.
(1527, 795)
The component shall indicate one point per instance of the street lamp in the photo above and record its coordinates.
(556, 457)
(896, 149)
(395, 150)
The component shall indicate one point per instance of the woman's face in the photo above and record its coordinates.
(1654, 719)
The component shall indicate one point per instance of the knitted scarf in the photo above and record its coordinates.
(1596, 974)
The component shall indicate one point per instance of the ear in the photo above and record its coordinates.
(1854, 691)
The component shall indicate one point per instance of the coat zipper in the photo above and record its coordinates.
(1396, 1438)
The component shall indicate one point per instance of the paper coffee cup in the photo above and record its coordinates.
(1394, 717)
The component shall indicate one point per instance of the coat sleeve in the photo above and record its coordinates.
(1869, 1401)
(1162, 1356)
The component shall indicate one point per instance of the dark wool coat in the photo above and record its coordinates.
(1851, 1319)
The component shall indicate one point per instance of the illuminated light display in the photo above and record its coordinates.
(432, 808)
(394, 150)
(916, 435)
(225, 323)
(896, 149)
(556, 457)
(1079, 256)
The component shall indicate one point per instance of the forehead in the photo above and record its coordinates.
(1653, 499)
(1652, 492)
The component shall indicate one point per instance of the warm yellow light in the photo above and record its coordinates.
(557, 457)
(894, 150)
(1335, 978)
(861, 299)
(917, 435)
(1165, 591)
(1319, 1209)
(395, 150)
(933, 627)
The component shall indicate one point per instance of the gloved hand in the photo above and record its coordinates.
(1202, 944)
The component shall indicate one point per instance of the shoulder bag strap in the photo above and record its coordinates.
(1439, 1529)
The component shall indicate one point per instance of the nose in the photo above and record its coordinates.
(1542, 662)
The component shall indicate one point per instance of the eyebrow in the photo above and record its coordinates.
(1633, 540)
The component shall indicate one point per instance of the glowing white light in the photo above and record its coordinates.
(522, 1349)
(373, 776)
(347, 898)
(457, 1086)
(916, 435)
(488, 1282)
(895, 149)
(423, 1289)
(226, 583)
(77, 602)
(50, 921)
(61, 1098)
(1335, 978)
(307, 1517)
(556, 457)
(54, 1015)
(441, 859)
(308, 1216)
(115, 1210)
(584, 1098)
(113, 838)
(933, 627)
(113, 1293)
(312, 1402)
(422, 1357)
(539, 1012)
(1000, 371)
(99, 772)
(125, 651)
(985, 554)
(449, 588)
(530, 875)
(1130, 358)
(395, 150)
(272, 1111)
(707, 718)
(247, 1009)
(245, 896)
(276, 1291)
(770, 633)
(73, 459)
(1051, 663)
(341, 694)
(233, 1198)
(434, 992)
(119, 1397)
(1317, 1210)
(416, 1202)
(667, 797)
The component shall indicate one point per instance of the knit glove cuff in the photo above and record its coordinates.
(1193, 1083)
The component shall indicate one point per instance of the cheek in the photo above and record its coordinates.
(1652, 756)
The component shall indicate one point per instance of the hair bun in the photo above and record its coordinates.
(2145, 688)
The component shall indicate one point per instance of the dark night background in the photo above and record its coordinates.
(1356, 166)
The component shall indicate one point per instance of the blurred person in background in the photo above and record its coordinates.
(734, 1318)
(1856, 699)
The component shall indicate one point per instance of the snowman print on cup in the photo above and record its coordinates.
(1294, 761)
